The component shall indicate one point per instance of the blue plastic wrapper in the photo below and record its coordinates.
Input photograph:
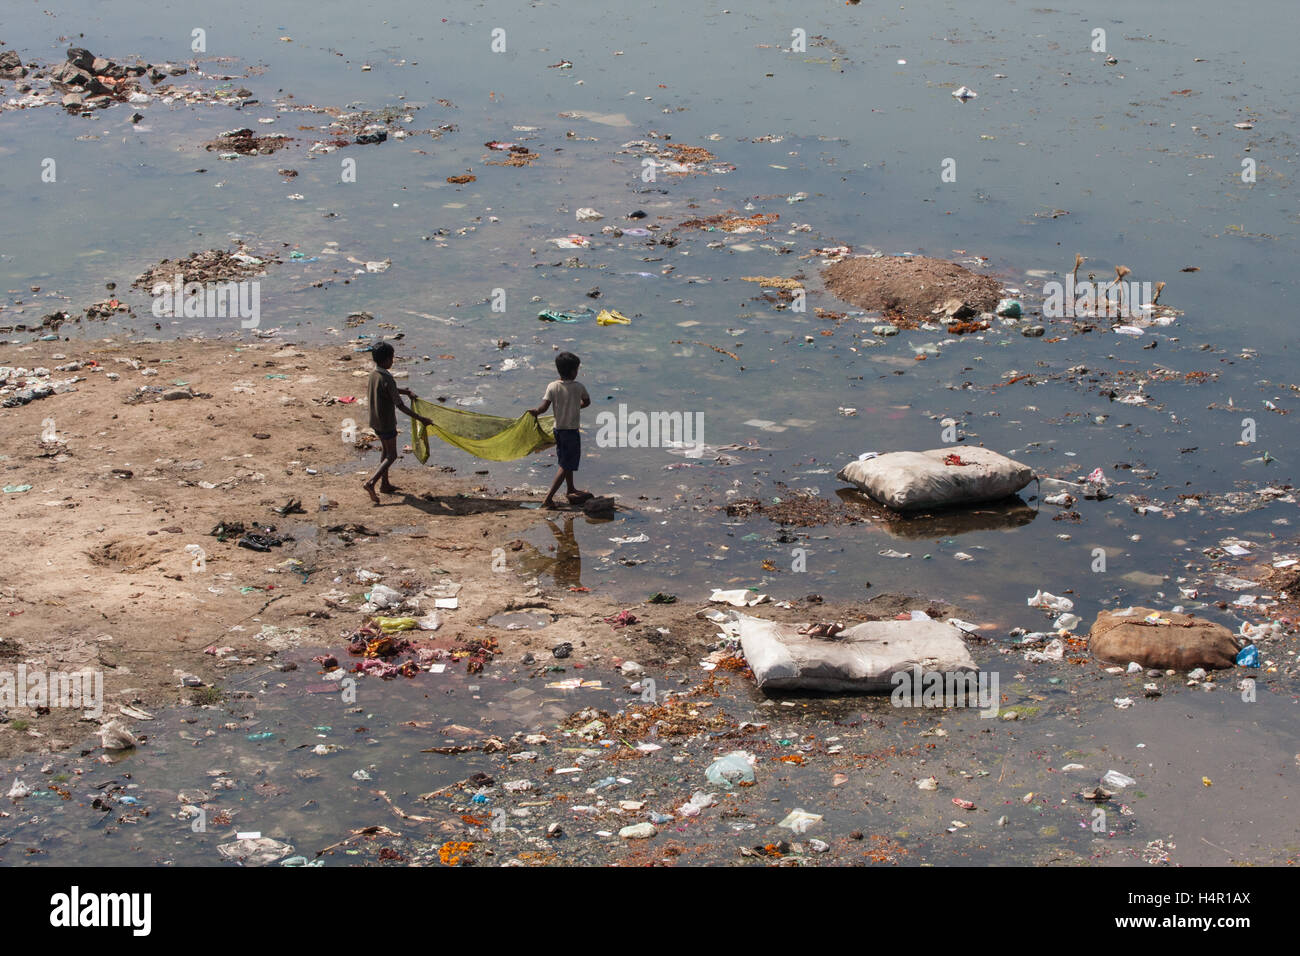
(1248, 656)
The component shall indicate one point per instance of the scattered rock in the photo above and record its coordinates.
(11, 66)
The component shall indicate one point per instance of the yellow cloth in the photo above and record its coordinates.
(483, 436)
(612, 317)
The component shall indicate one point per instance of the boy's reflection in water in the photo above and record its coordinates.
(565, 566)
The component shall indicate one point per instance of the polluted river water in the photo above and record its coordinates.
(824, 129)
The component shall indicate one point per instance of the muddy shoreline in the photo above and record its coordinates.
(101, 571)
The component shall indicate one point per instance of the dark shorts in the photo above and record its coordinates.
(568, 448)
(385, 436)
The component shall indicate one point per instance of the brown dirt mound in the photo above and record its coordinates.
(909, 288)
(122, 556)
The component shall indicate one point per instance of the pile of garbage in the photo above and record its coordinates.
(207, 266)
(370, 127)
(84, 82)
(676, 159)
(21, 386)
(244, 142)
(253, 536)
(93, 82)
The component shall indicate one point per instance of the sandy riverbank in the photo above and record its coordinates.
(95, 564)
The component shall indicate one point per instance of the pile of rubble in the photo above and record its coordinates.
(89, 81)
(84, 81)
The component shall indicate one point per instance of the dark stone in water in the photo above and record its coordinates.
(81, 58)
(11, 66)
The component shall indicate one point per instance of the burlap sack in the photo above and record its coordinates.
(1183, 645)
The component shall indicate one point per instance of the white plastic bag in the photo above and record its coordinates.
(382, 596)
(731, 769)
(1051, 602)
(862, 658)
(741, 597)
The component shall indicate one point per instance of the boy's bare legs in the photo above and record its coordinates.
(389, 446)
(560, 476)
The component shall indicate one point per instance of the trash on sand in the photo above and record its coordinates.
(741, 597)
(612, 317)
(382, 596)
(1182, 644)
(638, 831)
(1248, 656)
(964, 93)
(909, 480)
(863, 658)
